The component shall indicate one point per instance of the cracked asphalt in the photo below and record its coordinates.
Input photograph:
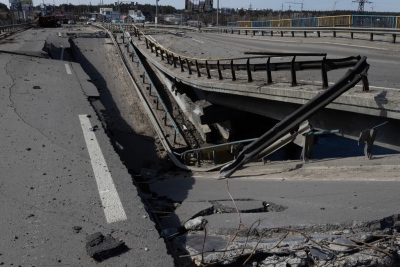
(48, 188)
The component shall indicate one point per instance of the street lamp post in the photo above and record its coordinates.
(156, 19)
(217, 13)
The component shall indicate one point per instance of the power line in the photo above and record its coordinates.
(361, 4)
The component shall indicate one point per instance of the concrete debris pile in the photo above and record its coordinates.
(100, 247)
(290, 247)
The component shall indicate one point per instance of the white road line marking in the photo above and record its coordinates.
(68, 68)
(113, 209)
(197, 41)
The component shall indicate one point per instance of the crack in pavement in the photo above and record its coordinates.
(12, 106)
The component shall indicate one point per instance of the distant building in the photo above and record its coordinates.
(109, 14)
(135, 17)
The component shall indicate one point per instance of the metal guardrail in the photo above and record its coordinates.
(318, 30)
(152, 87)
(265, 29)
(13, 27)
(293, 121)
(326, 21)
(235, 64)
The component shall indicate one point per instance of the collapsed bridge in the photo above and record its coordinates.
(212, 92)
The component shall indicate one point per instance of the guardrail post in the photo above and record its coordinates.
(292, 33)
(365, 81)
(269, 75)
(165, 118)
(394, 37)
(249, 77)
(281, 33)
(144, 77)
(174, 60)
(157, 103)
(319, 33)
(272, 33)
(136, 33)
(239, 32)
(123, 37)
(219, 71)
(233, 71)
(371, 37)
(305, 34)
(181, 63)
(174, 136)
(162, 54)
(262, 33)
(325, 83)
(334, 34)
(208, 70)
(156, 50)
(352, 35)
(198, 158)
(293, 71)
(167, 55)
(188, 66)
(147, 43)
(198, 69)
(245, 32)
(150, 90)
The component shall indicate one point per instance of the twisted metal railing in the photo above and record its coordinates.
(197, 65)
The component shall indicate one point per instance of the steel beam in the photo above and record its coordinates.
(291, 123)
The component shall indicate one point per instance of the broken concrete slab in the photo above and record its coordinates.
(187, 211)
(100, 247)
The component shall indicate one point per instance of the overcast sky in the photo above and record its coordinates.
(377, 5)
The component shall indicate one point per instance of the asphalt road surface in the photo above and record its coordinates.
(61, 179)
(383, 56)
(51, 164)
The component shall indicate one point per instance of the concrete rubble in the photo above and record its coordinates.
(290, 247)
(100, 247)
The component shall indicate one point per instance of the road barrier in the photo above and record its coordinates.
(292, 122)
(369, 21)
(7, 29)
(248, 64)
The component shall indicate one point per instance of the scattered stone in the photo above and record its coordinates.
(100, 247)
(77, 229)
(195, 224)
(28, 149)
(342, 246)
(320, 254)
(146, 249)
(31, 215)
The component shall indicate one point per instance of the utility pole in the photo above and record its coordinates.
(156, 19)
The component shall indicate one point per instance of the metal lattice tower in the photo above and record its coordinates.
(361, 4)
